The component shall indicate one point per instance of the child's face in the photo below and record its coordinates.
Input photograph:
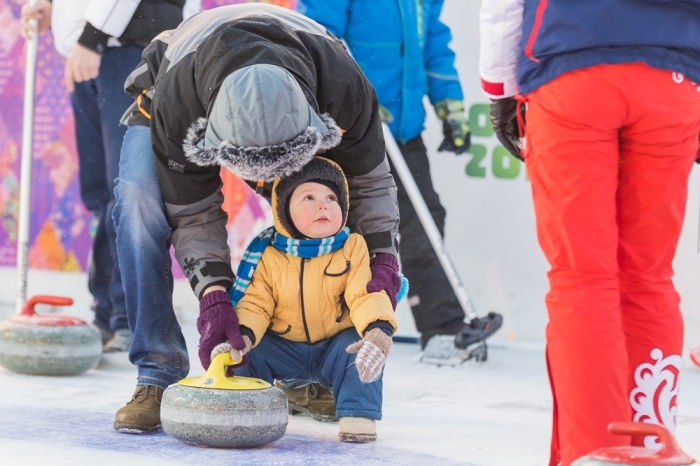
(315, 210)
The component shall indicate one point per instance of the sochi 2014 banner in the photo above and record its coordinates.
(61, 228)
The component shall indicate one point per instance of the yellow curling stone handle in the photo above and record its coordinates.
(216, 377)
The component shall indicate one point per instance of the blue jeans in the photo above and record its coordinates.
(143, 246)
(98, 105)
(325, 362)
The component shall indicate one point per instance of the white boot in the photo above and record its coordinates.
(357, 430)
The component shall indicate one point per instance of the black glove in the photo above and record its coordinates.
(454, 126)
(505, 124)
(698, 159)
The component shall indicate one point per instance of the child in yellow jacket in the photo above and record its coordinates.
(305, 303)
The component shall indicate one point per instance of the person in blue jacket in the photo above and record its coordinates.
(402, 48)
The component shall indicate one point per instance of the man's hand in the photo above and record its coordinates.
(217, 323)
(504, 119)
(454, 126)
(41, 12)
(385, 276)
(82, 65)
(385, 115)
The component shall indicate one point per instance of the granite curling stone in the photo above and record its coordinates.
(666, 454)
(36, 344)
(224, 412)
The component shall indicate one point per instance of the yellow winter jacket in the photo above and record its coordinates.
(299, 299)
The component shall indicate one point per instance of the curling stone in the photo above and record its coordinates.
(48, 344)
(225, 412)
(669, 454)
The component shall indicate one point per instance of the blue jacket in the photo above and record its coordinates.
(401, 46)
(566, 35)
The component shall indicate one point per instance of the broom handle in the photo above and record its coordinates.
(427, 221)
(25, 183)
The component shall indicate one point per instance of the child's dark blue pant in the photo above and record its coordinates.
(325, 362)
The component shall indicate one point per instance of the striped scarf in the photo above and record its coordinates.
(306, 248)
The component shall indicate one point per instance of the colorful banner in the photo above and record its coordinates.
(61, 228)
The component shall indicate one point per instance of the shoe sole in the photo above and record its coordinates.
(357, 438)
(139, 430)
(296, 409)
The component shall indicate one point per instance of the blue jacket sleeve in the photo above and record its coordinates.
(443, 81)
(331, 14)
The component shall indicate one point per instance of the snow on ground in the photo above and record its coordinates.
(496, 413)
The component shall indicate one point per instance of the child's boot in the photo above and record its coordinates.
(357, 430)
(314, 400)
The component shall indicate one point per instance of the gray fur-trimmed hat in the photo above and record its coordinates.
(319, 168)
(260, 127)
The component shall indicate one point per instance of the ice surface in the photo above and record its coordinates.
(496, 413)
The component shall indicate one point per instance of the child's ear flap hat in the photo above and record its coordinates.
(260, 126)
(320, 170)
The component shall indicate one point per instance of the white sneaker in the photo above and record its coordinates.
(357, 430)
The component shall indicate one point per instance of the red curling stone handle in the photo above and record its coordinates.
(28, 316)
(670, 452)
(28, 309)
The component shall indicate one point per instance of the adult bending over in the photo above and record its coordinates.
(259, 90)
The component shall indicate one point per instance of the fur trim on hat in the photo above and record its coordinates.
(262, 163)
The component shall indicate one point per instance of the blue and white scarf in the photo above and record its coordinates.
(306, 248)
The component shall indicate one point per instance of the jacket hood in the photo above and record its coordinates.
(262, 163)
(260, 126)
(320, 168)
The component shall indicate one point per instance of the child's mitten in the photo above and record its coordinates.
(372, 352)
(236, 354)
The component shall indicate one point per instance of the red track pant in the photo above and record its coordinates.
(609, 151)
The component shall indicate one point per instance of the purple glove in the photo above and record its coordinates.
(217, 323)
(385, 276)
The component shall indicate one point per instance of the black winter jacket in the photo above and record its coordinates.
(177, 83)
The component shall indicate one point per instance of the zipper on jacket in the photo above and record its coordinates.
(419, 14)
(301, 295)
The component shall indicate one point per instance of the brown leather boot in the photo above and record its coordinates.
(141, 415)
(314, 400)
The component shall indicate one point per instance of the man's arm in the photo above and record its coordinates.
(105, 19)
(439, 59)
(192, 194)
(501, 33)
(41, 12)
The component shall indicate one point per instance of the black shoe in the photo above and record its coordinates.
(451, 328)
(478, 330)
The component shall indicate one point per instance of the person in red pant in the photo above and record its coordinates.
(613, 117)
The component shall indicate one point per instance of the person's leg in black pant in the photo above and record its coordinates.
(435, 307)
(98, 105)
(94, 192)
